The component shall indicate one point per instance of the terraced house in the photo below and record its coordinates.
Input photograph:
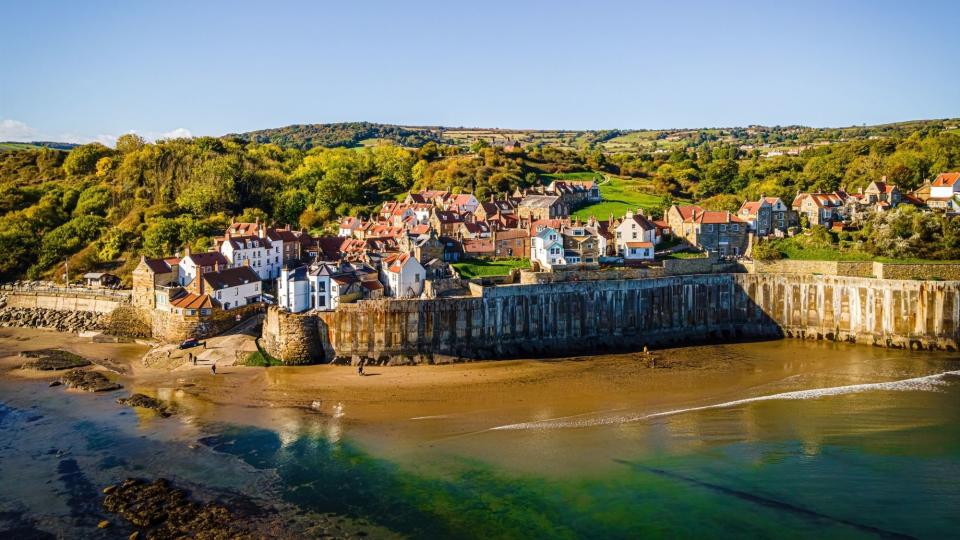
(719, 232)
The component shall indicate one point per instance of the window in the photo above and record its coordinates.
(734, 227)
(723, 227)
(321, 301)
(416, 278)
(710, 228)
(205, 311)
(634, 235)
(191, 312)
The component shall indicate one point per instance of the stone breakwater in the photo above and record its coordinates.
(52, 319)
(599, 316)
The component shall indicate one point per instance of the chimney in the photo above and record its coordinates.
(629, 214)
(640, 212)
(186, 251)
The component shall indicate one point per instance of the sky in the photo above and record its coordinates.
(93, 70)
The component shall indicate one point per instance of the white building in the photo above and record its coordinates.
(262, 255)
(546, 248)
(402, 275)
(945, 192)
(193, 263)
(293, 289)
(638, 251)
(232, 287)
(634, 228)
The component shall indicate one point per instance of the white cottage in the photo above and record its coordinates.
(402, 275)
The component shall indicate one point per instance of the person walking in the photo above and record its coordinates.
(360, 367)
(213, 368)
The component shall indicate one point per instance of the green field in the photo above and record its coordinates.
(547, 178)
(619, 195)
(482, 267)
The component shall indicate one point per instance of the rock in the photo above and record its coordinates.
(103, 524)
(135, 535)
(109, 489)
(62, 321)
(146, 402)
(54, 383)
(169, 513)
(52, 360)
(89, 381)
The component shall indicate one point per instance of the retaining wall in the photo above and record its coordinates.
(577, 317)
(67, 301)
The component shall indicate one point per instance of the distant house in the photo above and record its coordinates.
(205, 261)
(882, 192)
(230, 287)
(101, 280)
(445, 222)
(575, 192)
(581, 244)
(511, 243)
(944, 192)
(347, 225)
(253, 251)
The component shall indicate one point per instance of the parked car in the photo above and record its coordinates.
(188, 343)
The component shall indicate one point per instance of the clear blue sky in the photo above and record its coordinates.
(83, 70)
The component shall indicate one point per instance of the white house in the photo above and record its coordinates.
(347, 225)
(232, 287)
(293, 289)
(402, 275)
(634, 228)
(193, 263)
(546, 248)
(259, 253)
(638, 251)
(945, 192)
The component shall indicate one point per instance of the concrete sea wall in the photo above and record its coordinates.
(589, 317)
(96, 302)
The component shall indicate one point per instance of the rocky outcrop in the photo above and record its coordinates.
(52, 360)
(61, 321)
(88, 381)
(146, 402)
(163, 511)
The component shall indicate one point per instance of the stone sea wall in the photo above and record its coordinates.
(96, 302)
(590, 317)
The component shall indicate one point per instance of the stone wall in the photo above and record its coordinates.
(174, 328)
(528, 277)
(596, 316)
(918, 271)
(292, 337)
(68, 300)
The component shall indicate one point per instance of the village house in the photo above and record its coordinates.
(820, 208)
(461, 203)
(474, 230)
(446, 223)
(402, 275)
(100, 280)
(306, 288)
(580, 244)
(253, 251)
(494, 207)
(193, 263)
(151, 277)
(882, 192)
(720, 232)
(535, 207)
(347, 225)
(634, 228)
(945, 192)
(767, 216)
(511, 243)
(288, 245)
(477, 248)
(575, 192)
(229, 287)
(546, 249)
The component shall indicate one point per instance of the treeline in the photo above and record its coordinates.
(347, 134)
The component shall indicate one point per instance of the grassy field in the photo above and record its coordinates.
(619, 195)
(794, 248)
(547, 178)
(481, 268)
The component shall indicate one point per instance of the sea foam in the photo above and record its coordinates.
(928, 383)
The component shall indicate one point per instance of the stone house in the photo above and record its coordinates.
(581, 244)
(536, 207)
(151, 277)
(768, 215)
(820, 208)
(882, 192)
(719, 232)
(446, 223)
(575, 192)
(511, 243)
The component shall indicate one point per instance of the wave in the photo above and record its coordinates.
(928, 383)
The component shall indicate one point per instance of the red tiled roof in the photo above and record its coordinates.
(640, 244)
(947, 179)
(192, 301)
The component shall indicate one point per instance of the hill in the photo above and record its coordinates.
(9, 145)
(348, 134)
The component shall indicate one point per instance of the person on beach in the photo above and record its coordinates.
(213, 369)
(360, 367)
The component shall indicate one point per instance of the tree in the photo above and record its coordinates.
(82, 160)
(161, 237)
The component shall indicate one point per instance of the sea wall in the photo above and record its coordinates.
(67, 300)
(173, 327)
(590, 317)
(885, 312)
(880, 270)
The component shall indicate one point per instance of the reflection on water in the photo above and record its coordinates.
(746, 452)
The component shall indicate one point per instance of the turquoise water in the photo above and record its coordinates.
(851, 461)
